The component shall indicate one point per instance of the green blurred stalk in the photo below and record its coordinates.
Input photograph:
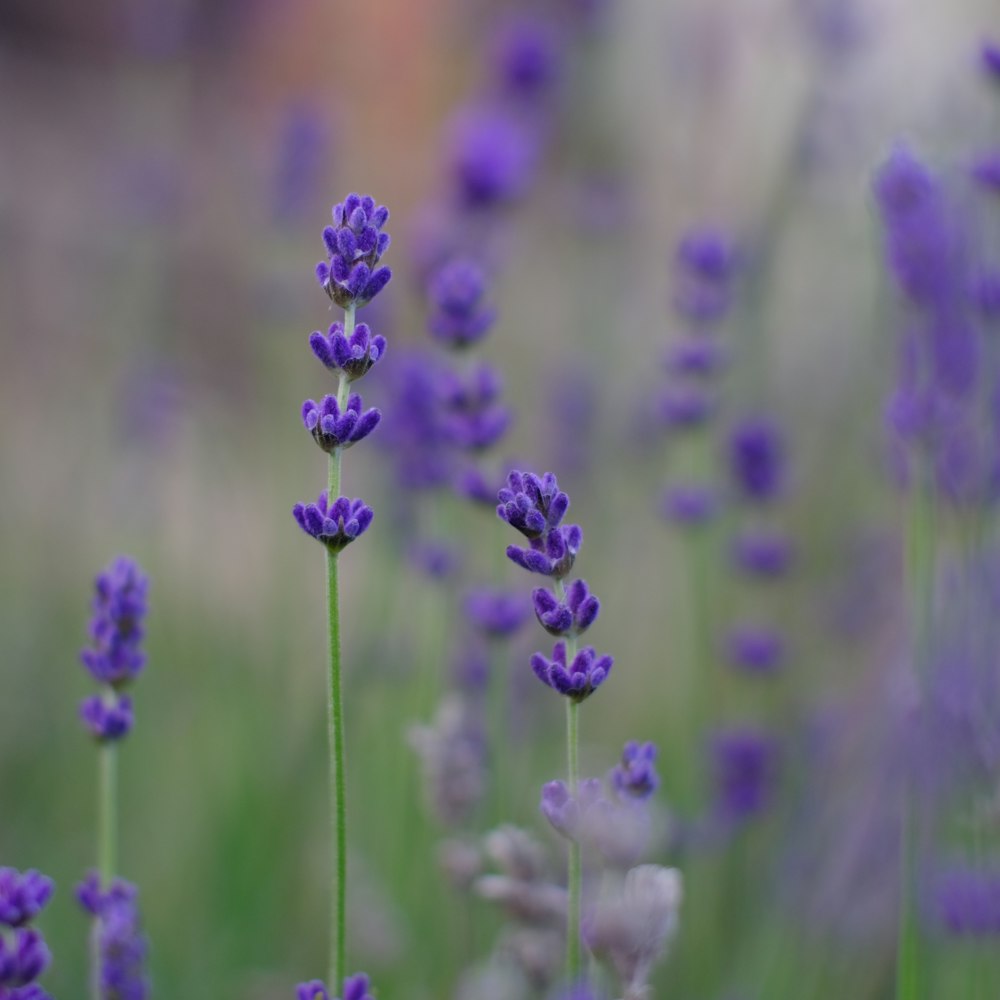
(107, 838)
(335, 723)
(920, 572)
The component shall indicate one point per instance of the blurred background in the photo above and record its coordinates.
(165, 172)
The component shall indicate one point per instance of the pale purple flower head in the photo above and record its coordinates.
(762, 553)
(745, 765)
(577, 679)
(354, 244)
(121, 945)
(461, 315)
(333, 428)
(496, 613)
(690, 504)
(966, 901)
(115, 655)
(302, 160)
(472, 416)
(696, 355)
(526, 57)
(989, 57)
(707, 262)
(635, 776)
(335, 524)
(685, 407)
(22, 895)
(756, 649)
(354, 355)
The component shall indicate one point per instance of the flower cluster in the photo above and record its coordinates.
(352, 356)
(120, 944)
(335, 524)
(333, 427)
(355, 244)
(115, 656)
(23, 952)
(460, 315)
(355, 988)
(745, 762)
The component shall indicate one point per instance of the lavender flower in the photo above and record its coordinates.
(22, 895)
(986, 171)
(355, 988)
(24, 956)
(115, 656)
(762, 553)
(633, 927)
(635, 776)
(570, 617)
(493, 157)
(108, 718)
(697, 355)
(745, 762)
(314, 990)
(990, 59)
(522, 886)
(120, 943)
(706, 265)
(686, 406)
(332, 428)
(355, 243)
(689, 504)
(460, 316)
(496, 613)
(354, 356)
(577, 680)
(756, 454)
(535, 507)
(564, 810)
(472, 418)
(526, 57)
(303, 155)
(336, 525)
(966, 901)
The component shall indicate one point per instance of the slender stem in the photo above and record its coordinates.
(575, 875)
(107, 812)
(920, 577)
(335, 728)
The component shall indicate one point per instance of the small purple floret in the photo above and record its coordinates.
(335, 524)
(334, 428)
(457, 293)
(22, 895)
(756, 457)
(497, 613)
(354, 355)
(578, 679)
(635, 776)
(755, 648)
(570, 617)
(115, 656)
(107, 720)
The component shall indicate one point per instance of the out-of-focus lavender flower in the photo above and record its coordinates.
(522, 886)
(985, 294)
(683, 407)
(744, 763)
(22, 895)
(355, 243)
(632, 927)
(436, 559)
(496, 613)
(354, 355)
(696, 354)
(314, 990)
(579, 991)
(473, 418)
(570, 617)
(120, 943)
(116, 631)
(578, 679)
(335, 524)
(757, 459)
(762, 553)
(986, 170)
(755, 648)
(30, 992)
(109, 719)
(564, 810)
(835, 27)
(706, 265)
(493, 157)
(989, 56)
(966, 901)
(526, 57)
(635, 775)
(332, 428)
(355, 987)
(302, 161)
(457, 293)
(690, 504)
(452, 752)
(24, 956)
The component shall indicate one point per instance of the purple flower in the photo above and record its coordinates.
(757, 459)
(23, 957)
(314, 990)
(635, 776)
(986, 170)
(302, 162)
(460, 315)
(30, 992)
(570, 617)
(355, 244)
(497, 613)
(493, 157)
(989, 56)
(94, 899)
(531, 504)
(755, 648)
(686, 406)
(762, 553)
(116, 630)
(696, 354)
(436, 559)
(577, 679)
(122, 947)
(745, 764)
(355, 988)
(526, 57)
(336, 525)
(690, 504)
(564, 811)
(22, 895)
(107, 720)
(552, 556)
(332, 428)
(966, 901)
(354, 355)
(472, 417)
(706, 265)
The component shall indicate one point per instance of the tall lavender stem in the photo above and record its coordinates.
(335, 721)
(107, 811)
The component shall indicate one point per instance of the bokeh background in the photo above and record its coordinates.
(165, 171)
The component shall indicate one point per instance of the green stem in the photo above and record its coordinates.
(335, 725)
(575, 875)
(107, 812)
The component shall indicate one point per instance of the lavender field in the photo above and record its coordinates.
(633, 632)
